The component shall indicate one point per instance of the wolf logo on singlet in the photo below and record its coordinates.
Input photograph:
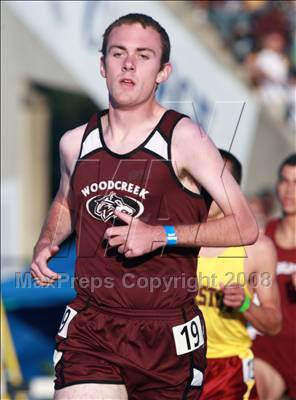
(141, 183)
(228, 343)
(102, 207)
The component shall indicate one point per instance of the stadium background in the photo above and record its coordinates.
(50, 83)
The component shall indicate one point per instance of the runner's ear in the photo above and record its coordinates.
(164, 73)
(102, 67)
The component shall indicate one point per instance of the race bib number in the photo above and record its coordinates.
(69, 314)
(188, 336)
(248, 369)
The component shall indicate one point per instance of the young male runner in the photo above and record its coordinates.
(227, 279)
(275, 357)
(134, 190)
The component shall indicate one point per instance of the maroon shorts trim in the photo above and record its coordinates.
(58, 387)
(188, 387)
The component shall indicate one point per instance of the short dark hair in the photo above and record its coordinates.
(145, 21)
(290, 160)
(236, 169)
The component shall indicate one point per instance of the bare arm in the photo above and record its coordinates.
(194, 152)
(59, 221)
(265, 317)
(260, 267)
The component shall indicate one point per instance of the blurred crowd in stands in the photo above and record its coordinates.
(264, 206)
(261, 35)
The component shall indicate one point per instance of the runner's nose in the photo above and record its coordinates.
(128, 64)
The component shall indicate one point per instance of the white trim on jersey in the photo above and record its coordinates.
(158, 145)
(285, 268)
(91, 143)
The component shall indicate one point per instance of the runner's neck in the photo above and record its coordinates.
(122, 123)
(285, 234)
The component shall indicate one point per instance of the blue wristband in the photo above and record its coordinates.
(171, 236)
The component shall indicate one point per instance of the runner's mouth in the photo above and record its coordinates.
(127, 82)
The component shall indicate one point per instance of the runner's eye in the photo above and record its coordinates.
(144, 56)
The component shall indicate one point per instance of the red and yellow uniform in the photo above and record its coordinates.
(229, 374)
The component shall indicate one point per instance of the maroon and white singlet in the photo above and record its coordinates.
(280, 350)
(134, 320)
(143, 184)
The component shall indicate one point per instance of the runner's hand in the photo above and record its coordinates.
(39, 269)
(136, 238)
(234, 295)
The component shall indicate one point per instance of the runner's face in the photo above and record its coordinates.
(286, 190)
(132, 65)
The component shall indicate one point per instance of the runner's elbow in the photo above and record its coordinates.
(250, 232)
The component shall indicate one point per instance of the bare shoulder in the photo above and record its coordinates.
(188, 130)
(262, 254)
(70, 146)
(190, 144)
(71, 140)
(262, 246)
